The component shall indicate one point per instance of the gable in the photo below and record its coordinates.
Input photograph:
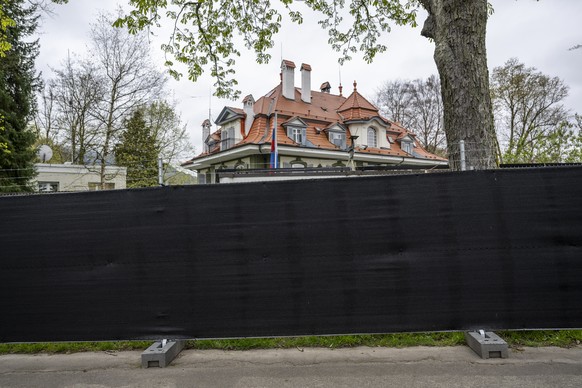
(295, 122)
(337, 128)
(229, 114)
(406, 137)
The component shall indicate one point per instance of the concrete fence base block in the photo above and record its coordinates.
(161, 356)
(489, 345)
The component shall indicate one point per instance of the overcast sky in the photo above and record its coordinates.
(539, 34)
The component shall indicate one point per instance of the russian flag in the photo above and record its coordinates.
(274, 147)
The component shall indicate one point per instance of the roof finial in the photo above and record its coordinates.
(355, 86)
(340, 90)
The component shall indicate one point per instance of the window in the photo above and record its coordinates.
(407, 147)
(372, 137)
(297, 132)
(48, 187)
(228, 138)
(339, 139)
(297, 135)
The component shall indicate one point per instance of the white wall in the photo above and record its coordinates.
(361, 130)
(72, 177)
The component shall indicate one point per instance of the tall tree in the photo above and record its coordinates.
(154, 130)
(427, 121)
(171, 136)
(394, 100)
(417, 105)
(137, 150)
(204, 31)
(77, 90)
(129, 78)
(18, 81)
(531, 119)
(458, 29)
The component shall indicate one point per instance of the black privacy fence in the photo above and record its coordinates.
(455, 251)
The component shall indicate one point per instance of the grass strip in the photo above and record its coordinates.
(536, 338)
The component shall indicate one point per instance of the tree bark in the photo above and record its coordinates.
(458, 28)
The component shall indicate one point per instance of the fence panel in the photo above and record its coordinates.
(454, 251)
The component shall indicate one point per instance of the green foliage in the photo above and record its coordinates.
(60, 155)
(17, 85)
(137, 150)
(151, 132)
(178, 179)
(205, 32)
(171, 136)
(575, 153)
(5, 23)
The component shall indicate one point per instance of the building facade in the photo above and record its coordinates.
(72, 177)
(312, 129)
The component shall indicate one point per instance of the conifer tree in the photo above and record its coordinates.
(138, 151)
(17, 85)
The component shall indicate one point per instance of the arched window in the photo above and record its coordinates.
(372, 137)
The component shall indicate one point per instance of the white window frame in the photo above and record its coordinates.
(372, 137)
(297, 135)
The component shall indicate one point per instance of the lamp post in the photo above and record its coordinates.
(351, 152)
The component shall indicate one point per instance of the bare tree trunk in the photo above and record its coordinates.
(458, 29)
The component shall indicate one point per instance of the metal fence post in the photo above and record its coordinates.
(160, 172)
(463, 161)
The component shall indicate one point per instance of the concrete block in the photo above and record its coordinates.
(161, 356)
(488, 346)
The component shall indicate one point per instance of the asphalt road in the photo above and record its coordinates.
(357, 367)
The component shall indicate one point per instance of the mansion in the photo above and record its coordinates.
(314, 129)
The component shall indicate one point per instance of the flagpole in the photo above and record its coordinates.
(276, 143)
(274, 162)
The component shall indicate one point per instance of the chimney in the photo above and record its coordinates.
(325, 87)
(306, 83)
(288, 71)
(248, 103)
(205, 133)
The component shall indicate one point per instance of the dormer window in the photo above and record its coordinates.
(227, 137)
(336, 133)
(339, 139)
(297, 135)
(296, 130)
(407, 147)
(372, 137)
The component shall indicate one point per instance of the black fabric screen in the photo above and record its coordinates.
(491, 249)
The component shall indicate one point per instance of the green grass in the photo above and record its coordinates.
(72, 347)
(561, 338)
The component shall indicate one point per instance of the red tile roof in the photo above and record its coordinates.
(357, 107)
(324, 111)
(289, 64)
